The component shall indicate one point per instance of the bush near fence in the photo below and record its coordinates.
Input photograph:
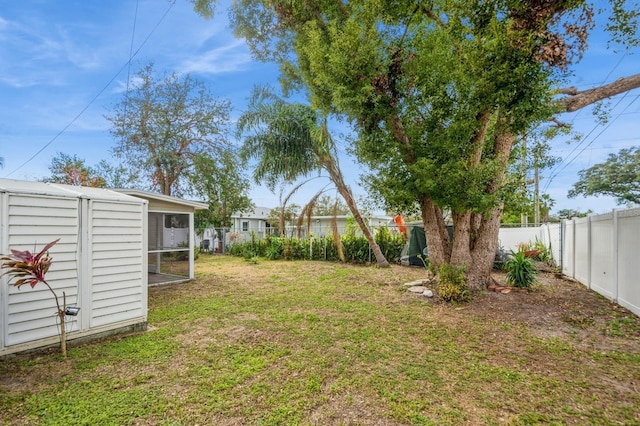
(355, 247)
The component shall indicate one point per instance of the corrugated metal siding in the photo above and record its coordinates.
(116, 259)
(38, 220)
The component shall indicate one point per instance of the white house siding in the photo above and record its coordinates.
(31, 312)
(117, 262)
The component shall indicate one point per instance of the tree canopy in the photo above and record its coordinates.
(326, 205)
(72, 170)
(618, 177)
(163, 125)
(220, 181)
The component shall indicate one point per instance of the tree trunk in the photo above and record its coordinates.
(484, 248)
(336, 177)
(475, 236)
(436, 235)
(461, 248)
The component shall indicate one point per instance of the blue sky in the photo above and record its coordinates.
(63, 65)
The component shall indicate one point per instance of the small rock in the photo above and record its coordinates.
(505, 290)
(417, 289)
(427, 293)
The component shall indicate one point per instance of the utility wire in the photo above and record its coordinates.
(46, 145)
(594, 139)
(133, 33)
(573, 119)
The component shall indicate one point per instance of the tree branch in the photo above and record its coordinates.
(577, 100)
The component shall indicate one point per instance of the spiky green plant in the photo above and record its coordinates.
(521, 270)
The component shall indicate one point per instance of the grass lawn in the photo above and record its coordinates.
(285, 343)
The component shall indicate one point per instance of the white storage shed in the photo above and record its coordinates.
(100, 262)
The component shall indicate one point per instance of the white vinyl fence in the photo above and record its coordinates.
(548, 234)
(602, 252)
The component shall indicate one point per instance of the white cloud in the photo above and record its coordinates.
(224, 59)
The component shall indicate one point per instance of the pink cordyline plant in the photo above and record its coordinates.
(28, 268)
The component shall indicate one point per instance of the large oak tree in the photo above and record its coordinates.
(437, 91)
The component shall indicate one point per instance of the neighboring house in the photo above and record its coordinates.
(246, 224)
(99, 263)
(321, 226)
(256, 223)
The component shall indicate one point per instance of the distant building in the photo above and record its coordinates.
(246, 224)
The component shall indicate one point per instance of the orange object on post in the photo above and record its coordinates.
(400, 224)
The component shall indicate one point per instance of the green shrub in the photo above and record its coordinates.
(390, 244)
(452, 284)
(521, 270)
(544, 253)
(292, 249)
(356, 247)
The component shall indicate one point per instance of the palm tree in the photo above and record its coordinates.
(290, 140)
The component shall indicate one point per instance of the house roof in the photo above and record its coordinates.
(61, 190)
(256, 213)
(196, 205)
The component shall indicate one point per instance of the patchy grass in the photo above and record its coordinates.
(275, 343)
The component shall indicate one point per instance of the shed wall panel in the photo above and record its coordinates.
(39, 219)
(116, 253)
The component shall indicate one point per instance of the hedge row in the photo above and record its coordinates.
(355, 247)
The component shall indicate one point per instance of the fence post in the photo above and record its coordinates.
(589, 259)
(614, 292)
(573, 249)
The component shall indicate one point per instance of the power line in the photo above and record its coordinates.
(133, 33)
(592, 141)
(65, 128)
